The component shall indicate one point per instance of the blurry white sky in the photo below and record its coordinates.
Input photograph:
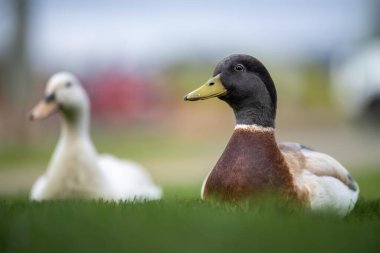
(67, 33)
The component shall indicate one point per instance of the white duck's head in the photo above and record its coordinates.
(65, 94)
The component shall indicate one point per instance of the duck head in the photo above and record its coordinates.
(244, 83)
(63, 94)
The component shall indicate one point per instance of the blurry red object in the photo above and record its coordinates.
(116, 94)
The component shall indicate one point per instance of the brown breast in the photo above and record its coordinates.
(250, 164)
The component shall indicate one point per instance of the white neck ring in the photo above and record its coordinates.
(255, 128)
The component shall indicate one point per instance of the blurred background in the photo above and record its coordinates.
(137, 59)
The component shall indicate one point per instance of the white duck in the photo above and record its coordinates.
(76, 170)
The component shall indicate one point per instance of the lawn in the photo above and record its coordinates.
(183, 223)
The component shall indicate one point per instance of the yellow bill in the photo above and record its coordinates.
(212, 88)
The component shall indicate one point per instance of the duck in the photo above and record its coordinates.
(253, 163)
(76, 170)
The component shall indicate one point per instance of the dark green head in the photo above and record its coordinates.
(245, 84)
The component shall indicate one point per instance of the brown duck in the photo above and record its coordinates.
(253, 162)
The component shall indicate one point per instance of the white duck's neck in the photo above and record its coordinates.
(74, 142)
(75, 125)
(75, 136)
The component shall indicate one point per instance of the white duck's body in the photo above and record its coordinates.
(76, 170)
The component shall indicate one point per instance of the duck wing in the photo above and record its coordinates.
(320, 178)
(317, 163)
(128, 179)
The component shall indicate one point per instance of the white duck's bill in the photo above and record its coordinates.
(43, 110)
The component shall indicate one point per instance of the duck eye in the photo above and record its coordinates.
(68, 84)
(239, 67)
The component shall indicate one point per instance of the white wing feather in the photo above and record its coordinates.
(322, 177)
(127, 179)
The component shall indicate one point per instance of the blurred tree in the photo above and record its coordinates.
(375, 18)
(15, 76)
(17, 60)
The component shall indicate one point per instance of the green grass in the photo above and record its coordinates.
(181, 222)
(368, 180)
(183, 225)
